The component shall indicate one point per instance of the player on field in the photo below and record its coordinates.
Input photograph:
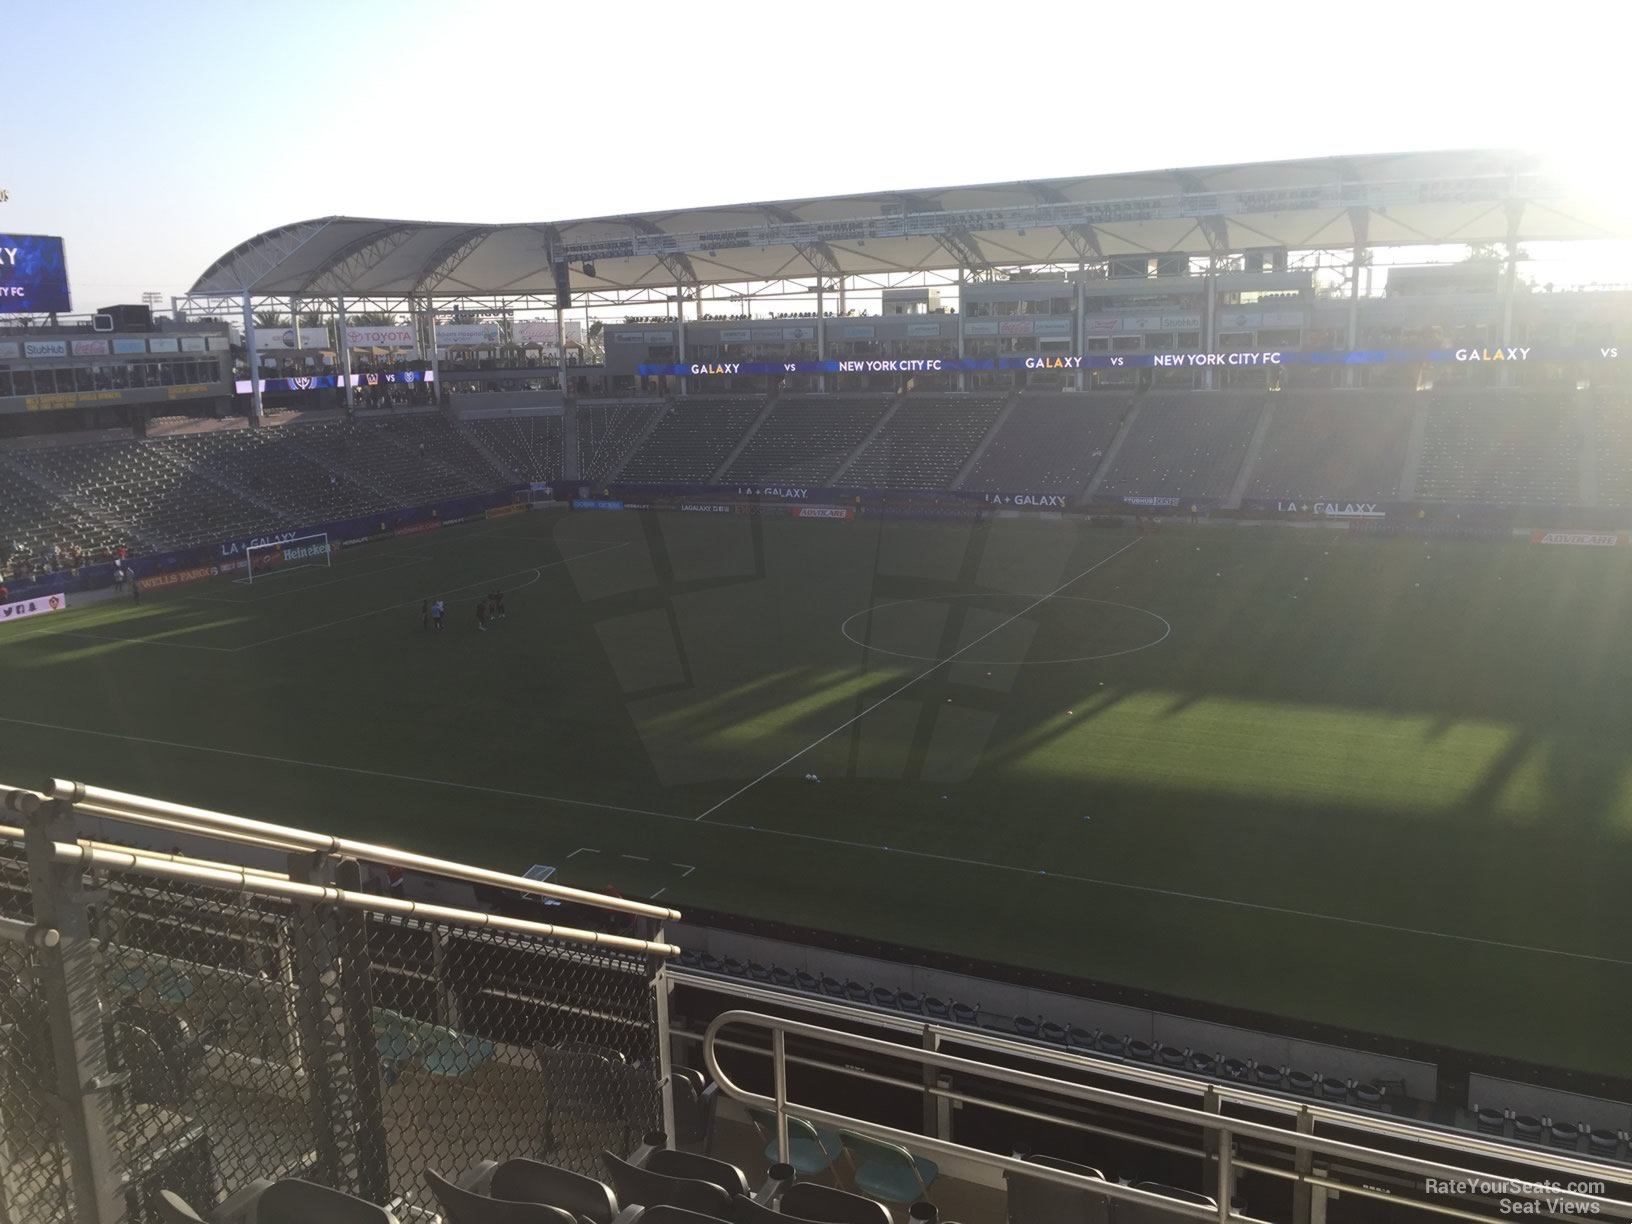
(425, 614)
(481, 615)
(436, 614)
(497, 600)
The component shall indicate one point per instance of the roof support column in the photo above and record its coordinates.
(1354, 310)
(294, 320)
(821, 335)
(680, 330)
(1510, 277)
(436, 360)
(1211, 335)
(963, 309)
(254, 362)
(1081, 321)
(561, 347)
(345, 357)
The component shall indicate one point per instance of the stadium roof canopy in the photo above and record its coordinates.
(1472, 196)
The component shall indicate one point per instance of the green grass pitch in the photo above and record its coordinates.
(1382, 784)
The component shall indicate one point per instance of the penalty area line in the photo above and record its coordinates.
(537, 572)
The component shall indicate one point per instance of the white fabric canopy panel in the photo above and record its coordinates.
(1474, 196)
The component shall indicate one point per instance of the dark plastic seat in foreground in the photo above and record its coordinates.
(824, 1204)
(1033, 1198)
(664, 1214)
(532, 1181)
(695, 1103)
(1129, 1212)
(172, 1210)
(466, 1207)
(292, 1201)
(889, 1171)
(673, 1163)
(634, 1184)
(809, 1150)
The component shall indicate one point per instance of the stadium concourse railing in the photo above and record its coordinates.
(1330, 1163)
(177, 1023)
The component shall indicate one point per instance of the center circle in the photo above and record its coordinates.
(1118, 622)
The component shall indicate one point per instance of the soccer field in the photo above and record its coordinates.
(1382, 784)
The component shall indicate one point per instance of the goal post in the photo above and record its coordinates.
(282, 555)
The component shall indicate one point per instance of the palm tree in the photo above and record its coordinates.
(271, 319)
(373, 318)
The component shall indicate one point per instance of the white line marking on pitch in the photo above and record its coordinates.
(350, 769)
(658, 893)
(535, 570)
(838, 841)
(138, 641)
(404, 561)
(933, 667)
(583, 850)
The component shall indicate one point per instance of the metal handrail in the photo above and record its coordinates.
(86, 855)
(15, 834)
(1225, 1129)
(142, 810)
(32, 934)
(1350, 1119)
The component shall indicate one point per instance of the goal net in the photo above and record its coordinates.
(262, 561)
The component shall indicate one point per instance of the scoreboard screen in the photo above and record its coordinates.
(33, 275)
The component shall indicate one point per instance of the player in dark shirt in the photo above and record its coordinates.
(498, 603)
(425, 614)
(481, 615)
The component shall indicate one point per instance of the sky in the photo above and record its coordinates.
(156, 136)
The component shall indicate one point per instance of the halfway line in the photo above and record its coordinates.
(933, 667)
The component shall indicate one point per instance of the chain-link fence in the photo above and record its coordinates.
(249, 1036)
(34, 1181)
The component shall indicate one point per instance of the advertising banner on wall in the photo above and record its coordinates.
(467, 335)
(393, 336)
(271, 339)
(37, 605)
(541, 331)
(45, 348)
(33, 275)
